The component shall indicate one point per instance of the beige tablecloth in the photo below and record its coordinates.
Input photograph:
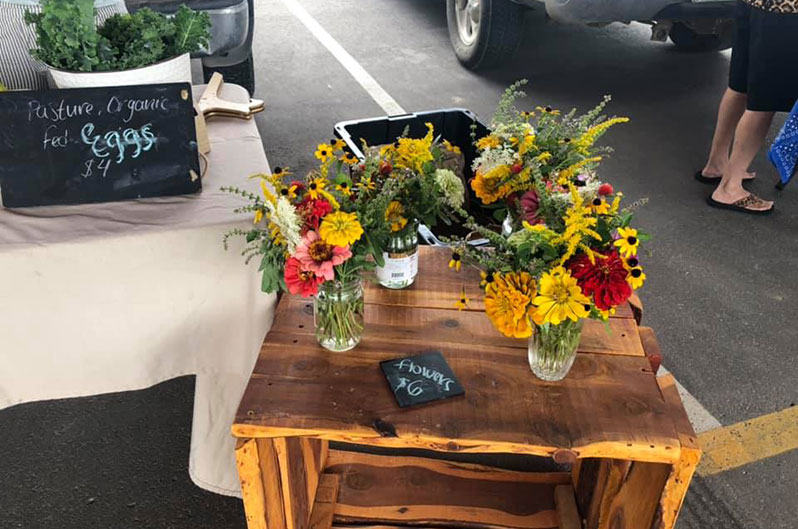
(119, 296)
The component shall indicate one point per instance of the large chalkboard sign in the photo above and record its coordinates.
(421, 378)
(97, 144)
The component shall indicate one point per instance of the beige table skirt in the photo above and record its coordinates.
(120, 296)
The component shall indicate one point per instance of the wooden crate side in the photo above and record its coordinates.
(272, 485)
(252, 490)
(682, 471)
(324, 506)
(419, 491)
(610, 476)
(301, 462)
(636, 502)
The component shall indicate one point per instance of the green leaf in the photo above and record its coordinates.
(500, 214)
(643, 237)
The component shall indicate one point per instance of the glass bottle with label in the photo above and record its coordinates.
(401, 258)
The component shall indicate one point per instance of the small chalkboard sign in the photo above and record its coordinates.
(97, 144)
(421, 378)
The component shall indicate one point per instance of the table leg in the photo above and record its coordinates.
(279, 478)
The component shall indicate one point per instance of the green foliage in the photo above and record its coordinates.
(67, 39)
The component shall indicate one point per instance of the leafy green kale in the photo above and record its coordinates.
(67, 39)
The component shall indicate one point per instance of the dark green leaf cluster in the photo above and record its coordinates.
(67, 38)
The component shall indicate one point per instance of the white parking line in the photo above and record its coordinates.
(701, 419)
(377, 92)
(699, 416)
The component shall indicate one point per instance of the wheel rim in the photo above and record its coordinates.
(467, 17)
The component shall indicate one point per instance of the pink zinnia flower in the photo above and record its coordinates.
(320, 257)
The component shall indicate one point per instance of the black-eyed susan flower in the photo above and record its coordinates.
(627, 242)
(344, 187)
(456, 261)
(527, 114)
(631, 262)
(599, 206)
(462, 303)
(487, 279)
(337, 144)
(348, 158)
(323, 151)
(636, 277)
(367, 184)
(316, 187)
(548, 110)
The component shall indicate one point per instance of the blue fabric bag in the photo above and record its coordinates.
(784, 151)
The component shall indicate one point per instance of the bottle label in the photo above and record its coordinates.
(398, 266)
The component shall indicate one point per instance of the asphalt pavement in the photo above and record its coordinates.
(721, 291)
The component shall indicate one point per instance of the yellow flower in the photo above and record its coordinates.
(456, 261)
(631, 262)
(340, 228)
(323, 151)
(636, 277)
(267, 193)
(579, 225)
(527, 144)
(367, 184)
(566, 175)
(289, 192)
(487, 279)
(344, 188)
(349, 159)
(628, 242)
(508, 303)
(409, 153)
(316, 188)
(548, 110)
(527, 114)
(599, 206)
(586, 140)
(394, 216)
(451, 148)
(560, 299)
(488, 187)
(337, 145)
(605, 314)
(462, 303)
(258, 216)
(488, 142)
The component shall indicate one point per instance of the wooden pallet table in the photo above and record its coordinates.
(623, 432)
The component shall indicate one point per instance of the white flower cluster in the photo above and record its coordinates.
(491, 158)
(505, 131)
(451, 186)
(285, 217)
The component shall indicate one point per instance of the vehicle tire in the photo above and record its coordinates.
(484, 32)
(242, 73)
(686, 39)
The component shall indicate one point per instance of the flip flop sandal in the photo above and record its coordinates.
(742, 205)
(713, 179)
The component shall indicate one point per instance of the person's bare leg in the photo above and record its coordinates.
(748, 139)
(730, 110)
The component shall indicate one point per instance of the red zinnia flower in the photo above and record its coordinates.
(299, 280)
(605, 279)
(313, 211)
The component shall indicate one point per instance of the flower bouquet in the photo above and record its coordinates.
(317, 236)
(425, 191)
(570, 253)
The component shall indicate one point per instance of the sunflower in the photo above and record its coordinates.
(560, 298)
(462, 303)
(456, 261)
(340, 228)
(599, 206)
(508, 303)
(323, 151)
(636, 277)
(488, 142)
(394, 216)
(628, 242)
(316, 188)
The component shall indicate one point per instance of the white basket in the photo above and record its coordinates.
(174, 70)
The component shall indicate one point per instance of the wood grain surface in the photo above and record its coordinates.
(412, 490)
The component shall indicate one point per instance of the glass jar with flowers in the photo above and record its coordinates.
(316, 237)
(572, 255)
(426, 191)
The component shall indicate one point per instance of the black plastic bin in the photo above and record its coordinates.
(453, 124)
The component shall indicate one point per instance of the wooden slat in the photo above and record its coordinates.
(689, 456)
(272, 485)
(634, 505)
(438, 286)
(252, 490)
(412, 325)
(651, 347)
(301, 462)
(567, 513)
(300, 389)
(412, 490)
(609, 479)
(324, 506)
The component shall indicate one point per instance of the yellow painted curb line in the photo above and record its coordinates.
(748, 441)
